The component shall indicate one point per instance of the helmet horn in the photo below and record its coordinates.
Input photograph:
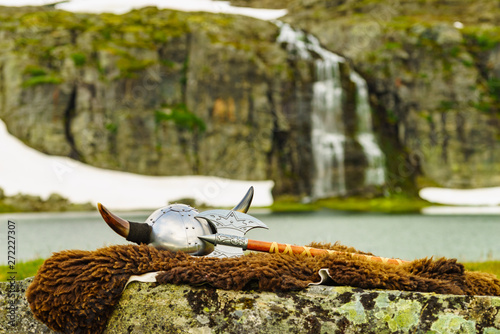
(135, 232)
(119, 225)
(244, 205)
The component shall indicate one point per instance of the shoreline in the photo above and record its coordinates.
(26, 203)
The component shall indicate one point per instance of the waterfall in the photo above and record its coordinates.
(328, 130)
(375, 172)
(328, 134)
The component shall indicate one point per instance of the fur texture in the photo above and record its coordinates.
(75, 291)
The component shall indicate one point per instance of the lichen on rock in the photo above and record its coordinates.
(153, 308)
(146, 308)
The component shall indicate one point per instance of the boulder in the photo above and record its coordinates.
(153, 308)
(15, 314)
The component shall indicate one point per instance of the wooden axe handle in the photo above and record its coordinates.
(274, 247)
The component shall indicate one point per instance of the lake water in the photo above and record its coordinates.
(406, 236)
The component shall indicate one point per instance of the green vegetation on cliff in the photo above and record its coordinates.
(181, 117)
(50, 36)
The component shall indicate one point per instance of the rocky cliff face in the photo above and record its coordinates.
(152, 92)
(164, 93)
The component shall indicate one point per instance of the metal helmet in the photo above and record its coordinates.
(173, 227)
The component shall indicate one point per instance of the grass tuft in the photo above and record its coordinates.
(492, 267)
(393, 204)
(23, 269)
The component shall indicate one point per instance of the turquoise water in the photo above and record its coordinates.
(465, 237)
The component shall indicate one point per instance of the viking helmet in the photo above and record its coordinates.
(173, 227)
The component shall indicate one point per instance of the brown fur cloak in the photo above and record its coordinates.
(75, 291)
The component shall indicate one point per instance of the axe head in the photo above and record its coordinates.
(232, 223)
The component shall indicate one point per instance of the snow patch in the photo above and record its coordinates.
(461, 210)
(480, 196)
(123, 6)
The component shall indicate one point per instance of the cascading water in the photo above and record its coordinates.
(327, 130)
(328, 133)
(375, 172)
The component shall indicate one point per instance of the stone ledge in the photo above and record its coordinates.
(152, 308)
(147, 308)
